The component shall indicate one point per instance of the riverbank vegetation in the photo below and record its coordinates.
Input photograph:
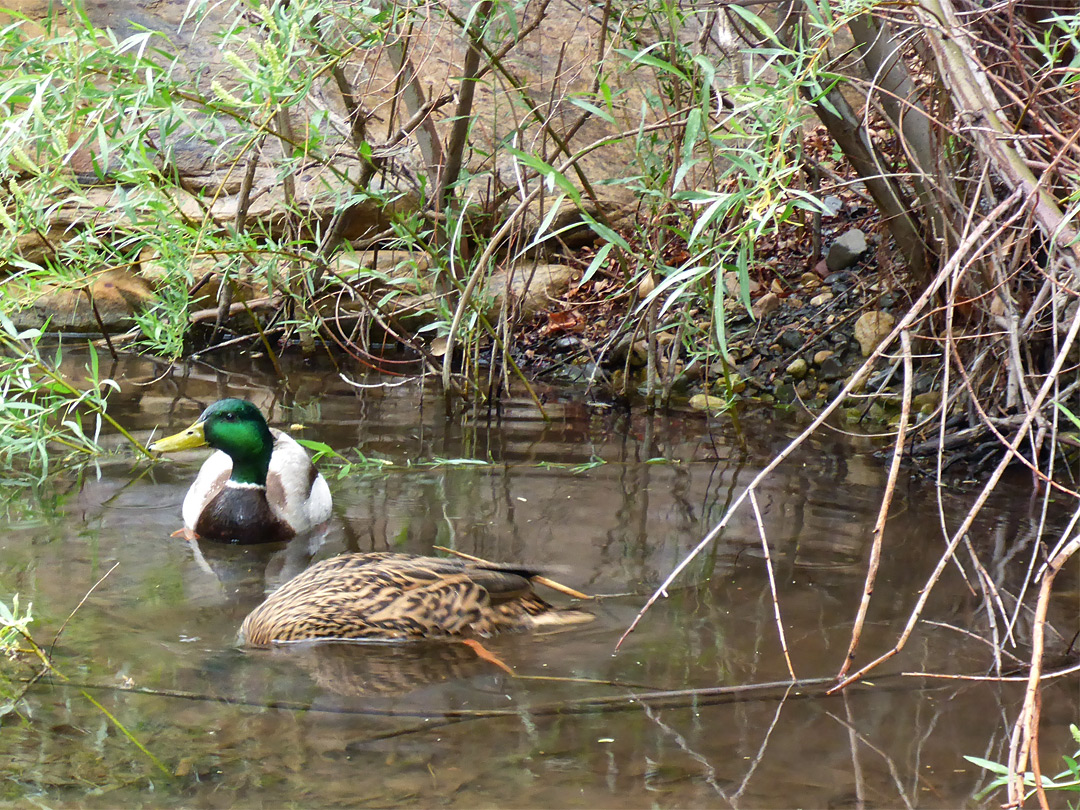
(645, 210)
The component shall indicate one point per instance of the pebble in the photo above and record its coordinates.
(706, 402)
(797, 368)
(822, 356)
(790, 339)
(926, 403)
(767, 304)
(830, 369)
(846, 249)
(822, 299)
(871, 329)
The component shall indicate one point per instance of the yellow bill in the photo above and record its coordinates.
(185, 440)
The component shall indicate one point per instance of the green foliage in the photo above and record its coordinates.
(714, 178)
(40, 411)
(1066, 781)
(14, 624)
(341, 466)
(718, 180)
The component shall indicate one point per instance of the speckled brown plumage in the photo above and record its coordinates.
(402, 596)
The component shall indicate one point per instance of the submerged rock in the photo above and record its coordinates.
(830, 369)
(706, 402)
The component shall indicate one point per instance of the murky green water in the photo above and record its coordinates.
(431, 725)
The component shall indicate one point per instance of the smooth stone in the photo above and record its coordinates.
(709, 403)
(846, 250)
(785, 392)
(821, 299)
(830, 369)
(790, 339)
(822, 356)
(797, 368)
(926, 403)
(871, 329)
(766, 305)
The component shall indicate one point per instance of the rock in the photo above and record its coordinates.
(809, 281)
(822, 356)
(206, 272)
(797, 368)
(791, 340)
(846, 250)
(830, 369)
(530, 286)
(776, 287)
(785, 392)
(833, 205)
(36, 247)
(822, 299)
(926, 403)
(871, 329)
(117, 296)
(802, 389)
(394, 263)
(705, 402)
(766, 305)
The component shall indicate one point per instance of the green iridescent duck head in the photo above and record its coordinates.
(235, 427)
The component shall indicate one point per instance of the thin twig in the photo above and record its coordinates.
(772, 583)
(1027, 724)
(883, 513)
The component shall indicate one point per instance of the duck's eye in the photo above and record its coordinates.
(230, 417)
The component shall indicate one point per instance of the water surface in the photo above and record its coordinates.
(610, 500)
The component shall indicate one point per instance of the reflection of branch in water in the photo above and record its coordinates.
(710, 771)
(858, 735)
(667, 699)
(997, 648)
(761, 750)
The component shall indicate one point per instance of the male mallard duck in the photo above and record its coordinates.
(259, 487)
(390, 596)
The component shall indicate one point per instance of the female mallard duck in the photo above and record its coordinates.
(391, 596)
(260, 485)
